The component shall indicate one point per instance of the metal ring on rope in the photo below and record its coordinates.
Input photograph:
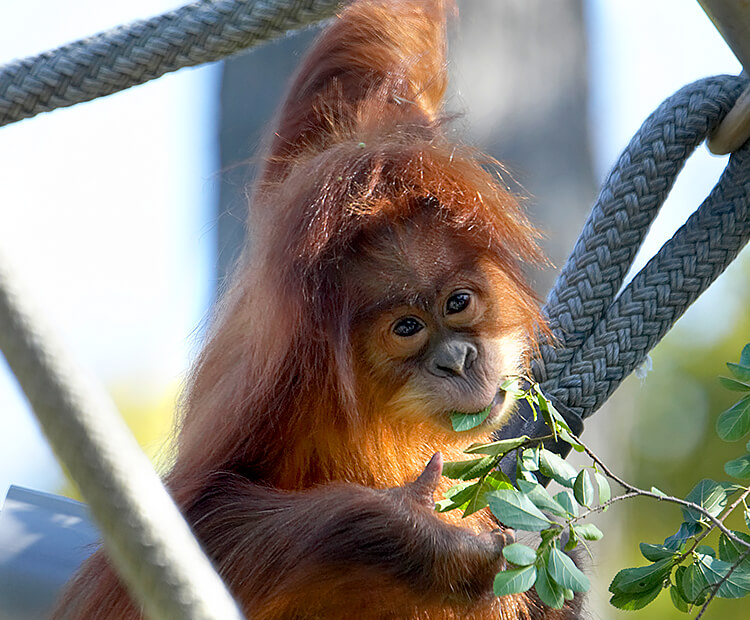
(600, 336)
(112, 61)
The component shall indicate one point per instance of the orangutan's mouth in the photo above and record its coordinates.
(484, 417)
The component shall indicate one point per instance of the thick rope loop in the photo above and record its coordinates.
(601, 338)
(112, 61)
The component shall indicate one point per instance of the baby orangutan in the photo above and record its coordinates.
(381, 292)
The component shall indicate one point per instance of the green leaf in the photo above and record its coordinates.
(738, 468)
(541, 498)
(552, 466)
(693, 583)
(734, 385)
(549, 535)
(549, 592)
(458, 496)
(564, 571)
(519, 554)
(730, 551)
(458, 489)
(499, 480)
(510, 382)
(735, 585)
(635, 601)
(530, 459)
(545, 405)
(567, 436)
(731, 487)
(709, 495)
(467, 421)
(572, 539)
(514, 581)
(583, 489)
(745, 356)
(677, 576)
(641, 579)
(734, 423)
(654, 553)
(588, 531)
(566, 501)
(686, 531)
(680, 603)
(605, 492)
(467, 470)
(706, 550)
(469, 496)
(544, 409)
(492, 482)
(497, 448)
(445, 505)
(741, 373)
(554, 419)
(515, 510)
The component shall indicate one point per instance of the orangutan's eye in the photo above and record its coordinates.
(407, 326)
(458, 302)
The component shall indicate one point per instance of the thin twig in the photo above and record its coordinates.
(633, 490)
(605, 505)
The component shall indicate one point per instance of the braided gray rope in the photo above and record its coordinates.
(145, 535)
(600, 339)
(106, 63)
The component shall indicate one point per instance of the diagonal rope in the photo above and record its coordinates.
(146, 538)
(111, 61)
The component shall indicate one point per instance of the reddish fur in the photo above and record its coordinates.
(281, 415)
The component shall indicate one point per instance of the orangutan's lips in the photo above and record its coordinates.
(490, 409)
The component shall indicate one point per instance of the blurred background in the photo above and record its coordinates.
(124, 215)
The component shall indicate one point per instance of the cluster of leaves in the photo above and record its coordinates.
(693, 572)
(528, 505)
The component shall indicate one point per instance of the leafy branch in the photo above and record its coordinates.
(694, 573)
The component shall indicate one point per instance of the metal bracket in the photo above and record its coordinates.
(732, 20)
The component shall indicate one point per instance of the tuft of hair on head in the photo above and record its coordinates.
(380, 62)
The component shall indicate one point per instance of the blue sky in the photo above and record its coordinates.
(105, 207)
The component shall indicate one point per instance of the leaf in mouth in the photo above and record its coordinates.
(467, 421)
